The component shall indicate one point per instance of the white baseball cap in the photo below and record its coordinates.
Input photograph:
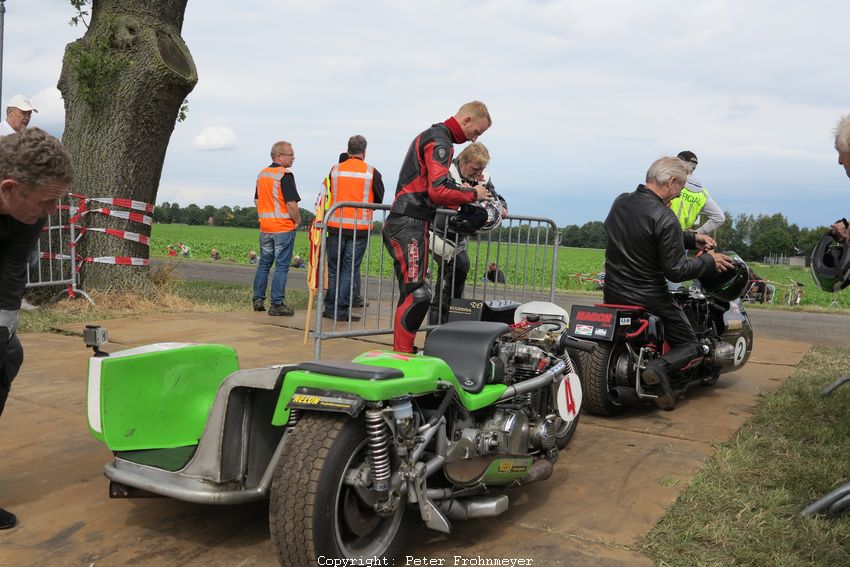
(21, 103)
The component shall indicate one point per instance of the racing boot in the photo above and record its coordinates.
(7, 520)
(655, 373)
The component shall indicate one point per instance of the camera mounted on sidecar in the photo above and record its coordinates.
(95, 337)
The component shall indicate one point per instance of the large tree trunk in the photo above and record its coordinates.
(123, 84)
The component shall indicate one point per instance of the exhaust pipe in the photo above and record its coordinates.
(540, 470)
(623, 395)
(483, 507)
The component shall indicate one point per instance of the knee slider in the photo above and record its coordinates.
(415, 313)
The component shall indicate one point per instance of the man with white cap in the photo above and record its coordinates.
(18, 114)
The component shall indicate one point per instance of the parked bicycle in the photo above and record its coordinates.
(794, 294)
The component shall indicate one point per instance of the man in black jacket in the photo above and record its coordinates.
(646, 245)
(35, 172)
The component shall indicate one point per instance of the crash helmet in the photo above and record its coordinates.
(729, 285)
(831, 264)
(493, 208)
(478, 216)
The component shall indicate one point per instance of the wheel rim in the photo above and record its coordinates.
(566, 428)
(618, 366)
(358, 530)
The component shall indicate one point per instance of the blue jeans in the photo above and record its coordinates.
(344, 256)
(275, 247)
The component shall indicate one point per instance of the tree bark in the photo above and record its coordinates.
(117, 126)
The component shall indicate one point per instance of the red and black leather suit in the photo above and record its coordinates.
(424, 184)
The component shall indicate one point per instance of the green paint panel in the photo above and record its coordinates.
(162, 398)
(421, 374)
(507, 470)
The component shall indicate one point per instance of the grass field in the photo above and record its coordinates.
(577, 267)
(743, 507)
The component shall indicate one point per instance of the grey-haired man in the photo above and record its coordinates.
(35, 172)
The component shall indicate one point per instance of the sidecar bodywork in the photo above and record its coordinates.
(185, 422)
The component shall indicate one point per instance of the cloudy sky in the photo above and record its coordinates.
(584, 94)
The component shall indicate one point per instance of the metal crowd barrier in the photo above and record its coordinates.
(524, 249)
(53, 260)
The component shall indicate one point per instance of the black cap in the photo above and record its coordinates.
(688, 157)
(343, 157)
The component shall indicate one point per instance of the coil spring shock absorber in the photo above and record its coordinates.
(379, 453)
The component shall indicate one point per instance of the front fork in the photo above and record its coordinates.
(394, 427)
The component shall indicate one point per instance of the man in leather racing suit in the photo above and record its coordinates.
(646, 245)
(424, 184)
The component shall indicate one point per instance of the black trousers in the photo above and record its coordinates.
(451, 276)
(678, 332)
(10, 362)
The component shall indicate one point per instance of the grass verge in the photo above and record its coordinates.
(743, 507)
(173, 296)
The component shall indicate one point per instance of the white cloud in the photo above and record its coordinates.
(51, 110)
(584, 95)
(215, 138)
(201, 194)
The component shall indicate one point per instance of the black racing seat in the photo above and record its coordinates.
(466, 346)
(346, 369)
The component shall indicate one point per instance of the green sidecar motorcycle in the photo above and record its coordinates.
(348, 453)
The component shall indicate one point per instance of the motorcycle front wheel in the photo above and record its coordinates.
(565, 431)
(313, 511)
(600, 377)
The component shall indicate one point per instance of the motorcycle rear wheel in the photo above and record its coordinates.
(312, 511)
(599, 378)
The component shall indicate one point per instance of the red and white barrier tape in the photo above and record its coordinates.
(125, 234)
(117, 260)
(77, 213)
(126, 203)
(126, 215)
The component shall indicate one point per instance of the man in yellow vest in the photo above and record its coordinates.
(695, 200)
(277, 200)
(348, 228)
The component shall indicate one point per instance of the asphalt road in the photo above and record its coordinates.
(816, 328)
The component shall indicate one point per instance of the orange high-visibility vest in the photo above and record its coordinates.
(351, 180)
(271, 208)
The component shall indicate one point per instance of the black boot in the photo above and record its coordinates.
(656, 373)
(7, 520)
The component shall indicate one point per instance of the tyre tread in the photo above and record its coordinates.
(596, 381)
(294, 487)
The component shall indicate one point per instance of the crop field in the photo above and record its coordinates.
(524, 264)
